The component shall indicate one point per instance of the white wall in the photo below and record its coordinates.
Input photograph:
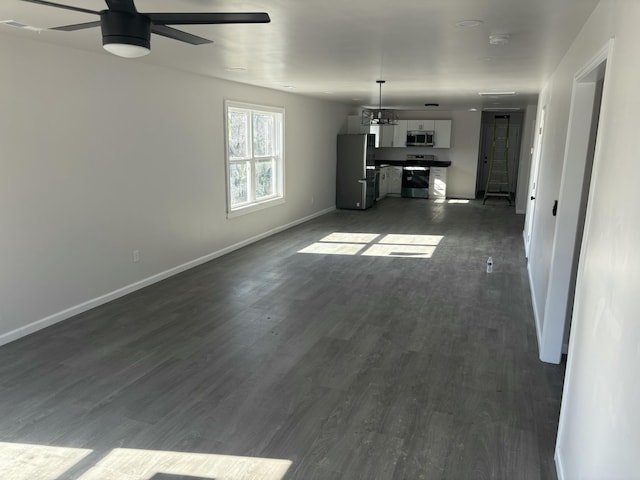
(101, 156)
(465, 142)
(599, 431)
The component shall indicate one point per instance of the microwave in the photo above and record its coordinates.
(420, 138)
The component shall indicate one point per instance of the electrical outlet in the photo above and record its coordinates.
(136, 256)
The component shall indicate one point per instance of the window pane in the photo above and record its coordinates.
(263, 135)
(239, 182)
(238, 134)
(265, 186)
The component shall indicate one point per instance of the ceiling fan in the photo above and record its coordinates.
(127, 32)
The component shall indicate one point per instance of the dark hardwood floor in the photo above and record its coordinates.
(347, 366)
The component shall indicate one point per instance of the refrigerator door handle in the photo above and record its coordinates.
(363, 181)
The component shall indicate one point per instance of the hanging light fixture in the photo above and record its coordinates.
(379, 116)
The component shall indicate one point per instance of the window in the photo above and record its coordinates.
(255, 164)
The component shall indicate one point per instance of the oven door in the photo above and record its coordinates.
(415, 182)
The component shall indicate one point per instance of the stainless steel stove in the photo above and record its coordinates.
(415, 177)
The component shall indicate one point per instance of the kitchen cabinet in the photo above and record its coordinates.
(442, 135)
(400, 134)
(396, 135)
(395, 181)
(421, 125)
(383, 182)
(438, 182)
(385, 135)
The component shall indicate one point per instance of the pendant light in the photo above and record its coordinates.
(379, 116)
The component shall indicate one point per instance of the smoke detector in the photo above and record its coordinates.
(499, 38)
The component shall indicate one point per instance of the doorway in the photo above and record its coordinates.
(533, 183)
(486, 141)
(573, 199)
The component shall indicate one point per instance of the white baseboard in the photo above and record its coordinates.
(101, 300)
(536, 315)
(559, 468)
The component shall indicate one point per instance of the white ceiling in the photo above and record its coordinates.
(337, 49)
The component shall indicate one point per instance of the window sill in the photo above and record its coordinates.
(255, 207)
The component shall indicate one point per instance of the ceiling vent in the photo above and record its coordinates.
(13, 23)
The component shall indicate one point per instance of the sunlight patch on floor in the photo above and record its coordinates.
(375, 245)
(134, 464)
(40, 462)
(453, 200)
(20, 461)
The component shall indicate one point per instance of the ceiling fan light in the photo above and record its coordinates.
(126, 50)
(125, 34)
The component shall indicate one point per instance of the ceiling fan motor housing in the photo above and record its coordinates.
(125, 27)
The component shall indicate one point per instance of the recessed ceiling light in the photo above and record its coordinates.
(499, 38)
(473, 109)
(497, 93)
(469, 23)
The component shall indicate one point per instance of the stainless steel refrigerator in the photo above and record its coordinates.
(355, 172)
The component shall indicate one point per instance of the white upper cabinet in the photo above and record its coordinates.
(442, 136)
(396, 135)
(386, 135)
(422, 125)
(400, 134)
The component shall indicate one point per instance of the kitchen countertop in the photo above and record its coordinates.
(413, 163)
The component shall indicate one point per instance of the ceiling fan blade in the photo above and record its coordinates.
(121, 6)
(179, 35)
(58, 5)
(77, 26)
(207, 18)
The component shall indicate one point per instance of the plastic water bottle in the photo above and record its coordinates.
(489, 265)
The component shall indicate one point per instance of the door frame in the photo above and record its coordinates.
(580, 154)
(533, 181)
(606, 54)
(515, 147)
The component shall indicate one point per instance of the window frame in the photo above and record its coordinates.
(254, 204)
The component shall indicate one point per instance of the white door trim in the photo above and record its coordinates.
(606, 53)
